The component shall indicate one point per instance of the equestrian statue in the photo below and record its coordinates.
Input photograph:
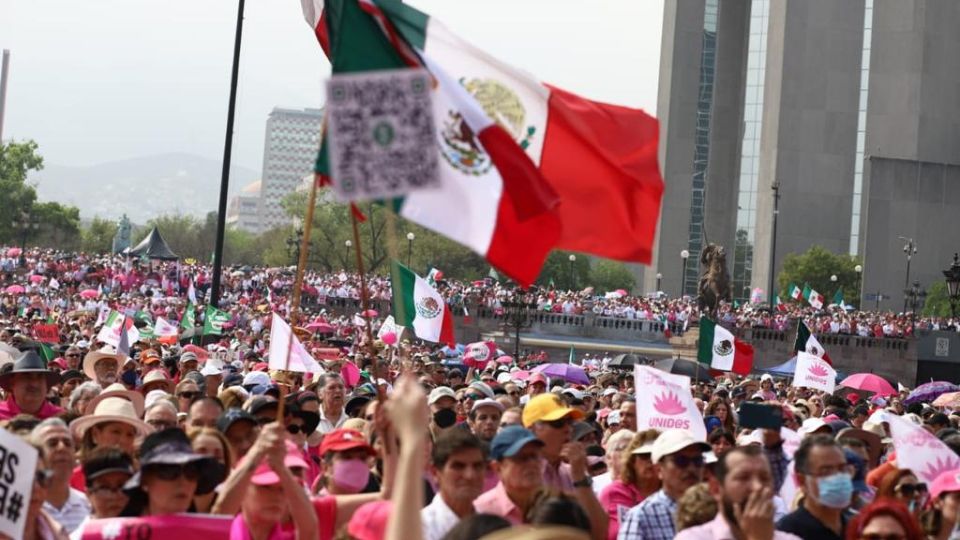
(714, 281)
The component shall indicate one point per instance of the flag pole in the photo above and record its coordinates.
(363, 280)
(225, 173)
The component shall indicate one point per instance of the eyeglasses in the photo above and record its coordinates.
(43, 478)
(293, 429)
(908, 490)
(171, 472)
(188, 395)
(560, 423)
(105, 490)
(472, 397)
(160, 425)
(683, 461)
(514, 393)
(74, 355)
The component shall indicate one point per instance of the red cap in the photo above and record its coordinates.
(341, 440)
(369, 522)
(537, 377)
(261, 366)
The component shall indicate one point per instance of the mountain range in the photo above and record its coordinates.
(142, 188)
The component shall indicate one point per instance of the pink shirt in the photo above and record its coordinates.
(497, 502)
(9, 409)
(558, 477)
(718, 529)
(616, 499)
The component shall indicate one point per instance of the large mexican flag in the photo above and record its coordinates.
(511, 147)
(419, 306)
(720, 350)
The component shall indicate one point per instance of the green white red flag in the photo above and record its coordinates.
(418, 306)
(721, 350)
(814, 298)
(808, 343)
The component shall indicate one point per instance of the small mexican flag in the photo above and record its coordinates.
(808, 343)
(793, 291)
(419, 306)
(838, 297)
(779, 304)
(213, 320)
(813, 297)
(720, 350)
(189, 318)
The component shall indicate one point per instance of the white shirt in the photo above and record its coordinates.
(74, 510)
(437, 519)
(326, 426)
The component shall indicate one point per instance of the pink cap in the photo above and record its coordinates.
(537, 377)
(264, 475)
(369, 522)
(946, 482)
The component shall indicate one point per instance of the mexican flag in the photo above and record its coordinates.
(838, 297)
(110, 333)
(420, 307)
(512, 148)
(189, 318)
(807, 342)
(813, 297)
(213, 320)
(779, 304)
(720, 350)
(165, 329)
(793, 291)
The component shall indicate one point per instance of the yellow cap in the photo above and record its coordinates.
(546, 408)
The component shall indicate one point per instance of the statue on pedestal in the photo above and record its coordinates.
(121, 240)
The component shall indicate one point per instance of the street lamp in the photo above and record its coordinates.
(346, 261)
(684, 254)
(410, 237)
(909, 249)
(859, 270)
(953, 284)
(659, 277)
(517, 317)
(773, 238)
(915, 296)
(573, 281)
(25, 223)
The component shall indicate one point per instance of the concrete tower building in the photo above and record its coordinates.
(289, 152)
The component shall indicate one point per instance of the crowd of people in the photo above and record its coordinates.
(389, 441)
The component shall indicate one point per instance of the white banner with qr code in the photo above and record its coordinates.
(18, 466)
(381, 133)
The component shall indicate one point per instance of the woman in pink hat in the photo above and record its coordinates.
(943, 515)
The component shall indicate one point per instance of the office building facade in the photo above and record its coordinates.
(290, 148)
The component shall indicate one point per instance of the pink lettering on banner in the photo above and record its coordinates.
(179, 526)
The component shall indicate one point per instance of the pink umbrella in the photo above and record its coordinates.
(868, 382)
(36, 278)
(321, 327)
(520, 375)
(15, 289)
(14, 252)
(621, 292)
(505, 359)
(369, 313)
(89, 294)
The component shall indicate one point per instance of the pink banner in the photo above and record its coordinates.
(179, 526)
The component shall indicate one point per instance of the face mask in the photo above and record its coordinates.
(445, 418)
(835, 490)
(350, 475)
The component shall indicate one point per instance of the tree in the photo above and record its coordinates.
(59, 226)
(182, 234)
(938, 301)
(16, 196)
(815, 268)
(564, 274)
(97, 237)
(607, 275)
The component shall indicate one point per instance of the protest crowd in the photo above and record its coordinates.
(146, 406)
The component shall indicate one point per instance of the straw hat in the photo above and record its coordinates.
(92, 357)
(157, 379)
(112, 409)
(28, 362)
(120, 391)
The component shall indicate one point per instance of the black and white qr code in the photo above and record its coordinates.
(382, 139)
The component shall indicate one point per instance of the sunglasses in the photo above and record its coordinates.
(472, 397)
(514, 393)
(293, 429)
(170, 472)
(43, 478)
(188, 395)
(908, 490)
(683, 461)
(71, 356)
(559, 424)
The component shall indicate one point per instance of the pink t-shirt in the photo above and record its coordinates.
(616, 499)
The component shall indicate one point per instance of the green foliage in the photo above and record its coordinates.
(938, 301)
(97, 237)
(183, 235)
(565, 274)
(16, 196)
(607, 275)
(59, 226)
(815, 267)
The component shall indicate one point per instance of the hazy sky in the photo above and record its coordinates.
(100, 80)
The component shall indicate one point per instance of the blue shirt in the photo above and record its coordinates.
(650, 520)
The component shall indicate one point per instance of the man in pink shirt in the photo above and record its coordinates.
(515, 452)
(26, 387)
(744, 493)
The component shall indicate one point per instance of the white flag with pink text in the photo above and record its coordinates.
(814, 372)
(664, 402)
(919, 450)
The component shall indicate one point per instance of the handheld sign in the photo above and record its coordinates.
(18, 466)
(664, 402)
(179, 526)
(814, 372)
(919, 450)
(381, 134)
(46, 333)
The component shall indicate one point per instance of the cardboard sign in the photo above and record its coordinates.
(381, 134)
(18, 467)
(179, 526)
(814, 372)
(46, 333)
(664, 402)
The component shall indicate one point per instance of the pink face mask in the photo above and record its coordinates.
(350, 475)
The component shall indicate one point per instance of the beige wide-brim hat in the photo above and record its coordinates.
(92, 357)
(157, 380)
(120, 391)
(111, 409)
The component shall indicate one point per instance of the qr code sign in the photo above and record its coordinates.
(381, 134)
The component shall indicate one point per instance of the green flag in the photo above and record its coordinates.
(189, 319)
(573, 356)
(838, 297)
(213, 320)
(492, 274)
(46, 352)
